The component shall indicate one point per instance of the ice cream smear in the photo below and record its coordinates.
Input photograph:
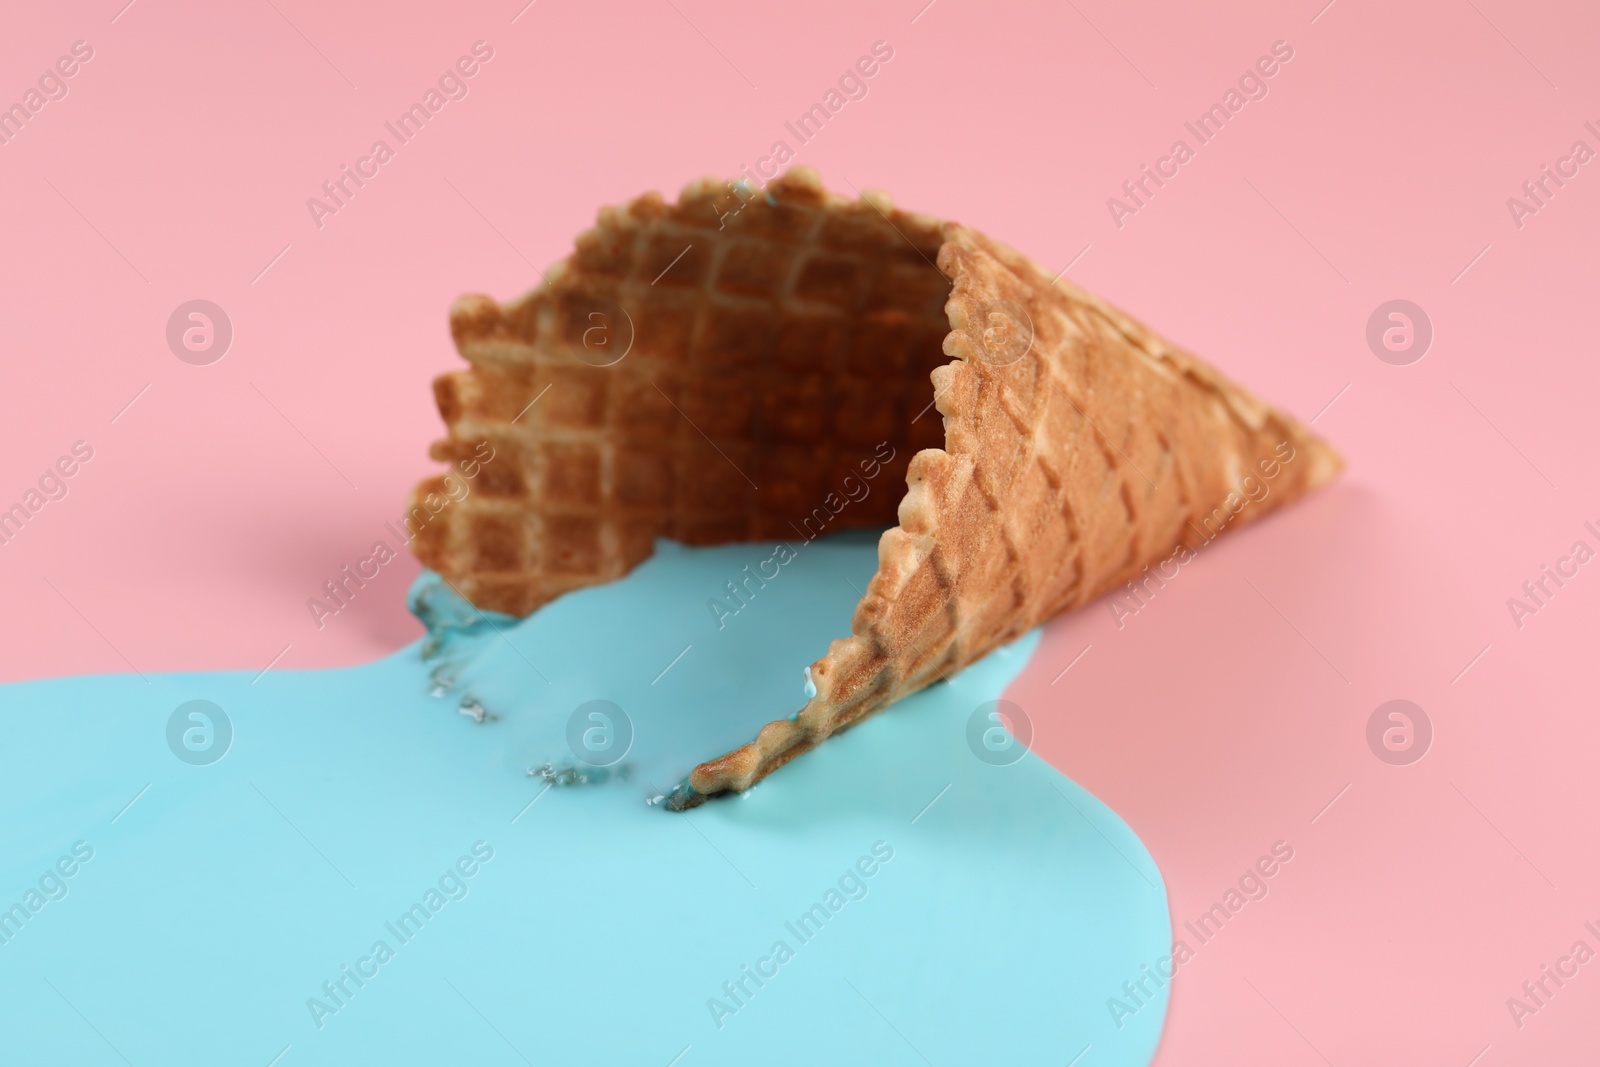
(379, 864)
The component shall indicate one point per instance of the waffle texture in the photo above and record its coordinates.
(728, 367)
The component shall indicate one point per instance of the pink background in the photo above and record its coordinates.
(1218, 720)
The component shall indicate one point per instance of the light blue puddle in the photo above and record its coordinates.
(371, 875)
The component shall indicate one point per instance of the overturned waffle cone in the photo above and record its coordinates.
(748, 365)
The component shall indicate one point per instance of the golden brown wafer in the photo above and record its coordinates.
(714, 370)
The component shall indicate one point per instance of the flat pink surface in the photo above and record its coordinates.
(1224, 716)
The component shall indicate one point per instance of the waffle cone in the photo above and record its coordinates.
(739, 365)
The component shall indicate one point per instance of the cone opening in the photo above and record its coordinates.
(733, 367)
